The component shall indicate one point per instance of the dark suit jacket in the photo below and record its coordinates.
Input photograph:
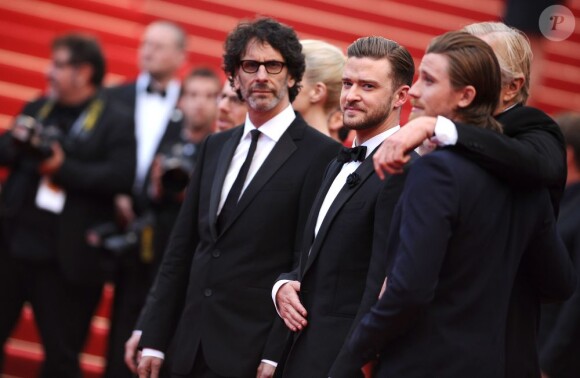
(127, 94)
(334, 266)
(533, 156)
(559, 340)
(459, 235)
(98, 164)
(213, 289)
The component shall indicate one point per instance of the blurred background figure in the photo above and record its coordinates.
(68, 153)
(152, 99)
(320, 94)
(198, 103)
(231, 109)
(559, 338)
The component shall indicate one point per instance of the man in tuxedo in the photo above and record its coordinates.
(320, 298)
(458, 237)
(56, 191)
(152, 99)
(559, 336)
(530, 153)
(241, 221)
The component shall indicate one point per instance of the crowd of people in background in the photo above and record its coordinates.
(285, 222)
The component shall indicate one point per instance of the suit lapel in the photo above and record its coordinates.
(224, 161)
(332, 171)
(365, 170)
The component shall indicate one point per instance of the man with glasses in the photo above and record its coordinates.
(240, 223)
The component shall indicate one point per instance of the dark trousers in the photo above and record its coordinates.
(200, 368)
(63, 311)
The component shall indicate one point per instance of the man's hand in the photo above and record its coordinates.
(289, 306)
(53, 163)
(149, 367)
(132, 354)
(265, 370)
(124, 209)
(394, 152)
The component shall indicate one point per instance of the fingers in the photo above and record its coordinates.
(131, 352)
(149, 367)
(289, 306)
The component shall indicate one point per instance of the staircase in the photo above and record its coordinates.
(27, 28)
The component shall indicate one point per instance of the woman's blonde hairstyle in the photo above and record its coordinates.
(513, 51)
(324, 63)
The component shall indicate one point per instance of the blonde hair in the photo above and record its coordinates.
(513, 51)
(324, 63)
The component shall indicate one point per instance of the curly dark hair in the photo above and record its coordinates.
(84, 49)
(281, 37)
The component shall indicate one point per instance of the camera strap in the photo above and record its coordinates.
(84, 123)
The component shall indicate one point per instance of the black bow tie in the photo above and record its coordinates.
(352, 154)
(151, 89)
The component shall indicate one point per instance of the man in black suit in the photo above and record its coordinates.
(320, 298)
(57, 191)
(458, 237)
(153, 100)
(532, 156)
(241, 221)
(559, 336)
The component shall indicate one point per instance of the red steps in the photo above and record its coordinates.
(24, 349)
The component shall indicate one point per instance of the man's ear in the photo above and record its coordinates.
(84, 72)
(401, 96)
(467, 94)
(512, 89)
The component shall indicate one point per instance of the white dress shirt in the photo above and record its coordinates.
(271, 131)
(152, 114)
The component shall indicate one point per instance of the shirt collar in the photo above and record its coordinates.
(274, 127)
(375, 141)
(143, 80)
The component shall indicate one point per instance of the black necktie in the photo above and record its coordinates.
(152, 89)
(347, 155)
(234, 194)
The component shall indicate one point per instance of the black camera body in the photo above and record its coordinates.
(177, 163)
(112, 238)
(34, 138)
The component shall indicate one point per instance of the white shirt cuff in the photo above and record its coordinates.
(275, 289)
(152, 353)
(275, 364)
(445, 132)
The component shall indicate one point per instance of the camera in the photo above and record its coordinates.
(112, 238)
(177, 163)
(33, 137)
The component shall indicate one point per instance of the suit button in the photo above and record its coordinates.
(207, 292)
(216, 253)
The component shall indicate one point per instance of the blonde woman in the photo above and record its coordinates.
(320, 94)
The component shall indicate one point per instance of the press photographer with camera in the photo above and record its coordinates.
(68, 155)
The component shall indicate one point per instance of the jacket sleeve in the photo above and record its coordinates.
(165, 300)
(279, 332)
(531, 151)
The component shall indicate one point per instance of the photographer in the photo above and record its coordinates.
(68, 159)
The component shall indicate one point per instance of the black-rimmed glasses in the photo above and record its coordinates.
(271, 66)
